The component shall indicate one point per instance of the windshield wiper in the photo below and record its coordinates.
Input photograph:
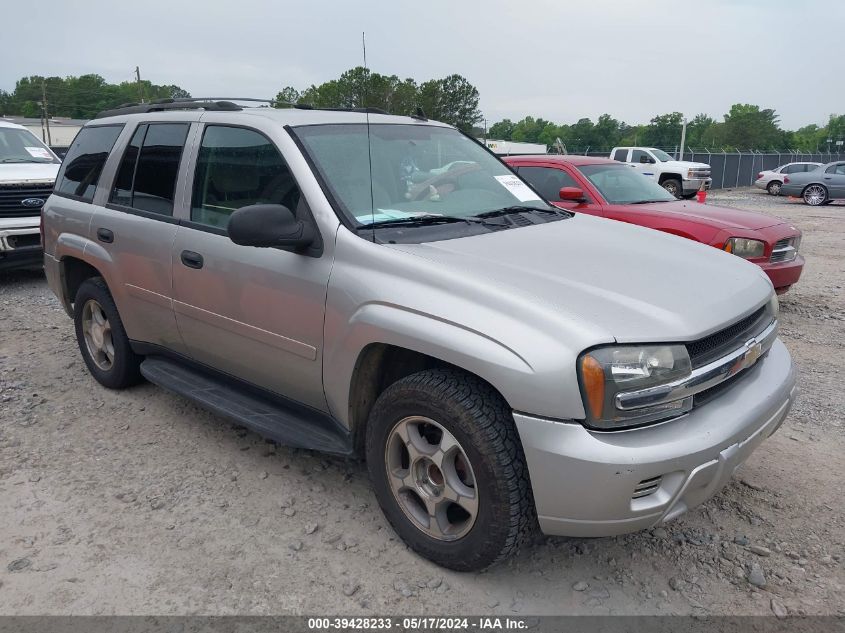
(419, 220)
(496, 213)
(19, 160)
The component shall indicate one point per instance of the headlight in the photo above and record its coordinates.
(608, 371)
(745, 248)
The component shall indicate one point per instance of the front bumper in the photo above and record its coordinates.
(691, 185)
(588, 483)
(783, 275)
(20, 247)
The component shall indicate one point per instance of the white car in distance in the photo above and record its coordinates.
(772, 179)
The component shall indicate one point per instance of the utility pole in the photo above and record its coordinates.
(683, 138)
(138, 81)
(45, 111)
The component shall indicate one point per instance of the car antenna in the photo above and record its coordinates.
(419, 114)
(369, 142)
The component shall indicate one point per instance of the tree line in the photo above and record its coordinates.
(744, 127)
(78, 97)
(452, 99)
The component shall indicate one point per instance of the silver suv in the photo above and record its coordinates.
(383, 286)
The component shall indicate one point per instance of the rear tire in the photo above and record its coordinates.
(774, 188)
(102, 340)
(447, 419)
(673, 186)
(815, 195)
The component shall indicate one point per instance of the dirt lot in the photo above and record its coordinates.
(138, 502)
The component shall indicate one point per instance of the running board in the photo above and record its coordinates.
(287, 423)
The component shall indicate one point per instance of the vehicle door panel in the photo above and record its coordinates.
(254, 313)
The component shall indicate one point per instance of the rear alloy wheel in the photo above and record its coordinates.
(815, 195)
(773, 188)
(673, 186)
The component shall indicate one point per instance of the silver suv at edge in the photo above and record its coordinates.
(375, 285)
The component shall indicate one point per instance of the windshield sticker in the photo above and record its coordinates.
(518, 189)
(38, 152)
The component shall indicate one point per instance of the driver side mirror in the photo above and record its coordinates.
(268, 225)
(572, 194)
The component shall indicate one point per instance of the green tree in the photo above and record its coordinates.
(453, 100)
(503, 130)
(663, 130)
(749, 127)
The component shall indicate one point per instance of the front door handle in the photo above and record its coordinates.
(192, 259)
(105, 235)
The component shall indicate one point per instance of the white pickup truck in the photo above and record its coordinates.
(680, 178)
(28, 171)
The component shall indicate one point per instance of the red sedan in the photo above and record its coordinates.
(607, 188)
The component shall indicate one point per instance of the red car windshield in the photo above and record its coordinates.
(619, 184)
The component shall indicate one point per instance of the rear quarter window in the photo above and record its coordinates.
(81, 169)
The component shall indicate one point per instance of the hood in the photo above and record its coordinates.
(717, 217)
(28, 172)
(683, 165)
(617, 280)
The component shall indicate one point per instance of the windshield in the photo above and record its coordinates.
(22, 146)
(660, 155)
(417, 170)
(619, 184)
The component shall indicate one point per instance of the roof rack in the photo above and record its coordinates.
(215, 103)
(161, 105)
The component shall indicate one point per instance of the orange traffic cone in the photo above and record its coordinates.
(701, 196)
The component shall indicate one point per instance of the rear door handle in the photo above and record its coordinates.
(192, 259)
(105, 235)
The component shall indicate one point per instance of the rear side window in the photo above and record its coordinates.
(620, 155)
(146, 179)
(237, 167)
(548, 181)
(84, 161)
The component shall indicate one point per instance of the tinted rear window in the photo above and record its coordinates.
(84, 162)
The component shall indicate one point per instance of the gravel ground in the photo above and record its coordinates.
(140, 503)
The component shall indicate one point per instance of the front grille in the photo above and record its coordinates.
(699, 173)
(647, 487)
(784, 250)
(12, 197)
(723, 342)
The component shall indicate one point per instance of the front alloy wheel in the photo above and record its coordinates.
(815, 195)
(431, 478)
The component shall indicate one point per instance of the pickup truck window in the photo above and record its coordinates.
(22, 146)
(662, 156)
(621, 155)
(639, 156)
(84, 162)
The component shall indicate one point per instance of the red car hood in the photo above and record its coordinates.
(720, 217)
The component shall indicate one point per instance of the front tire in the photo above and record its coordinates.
(673, 186)
(774, 188)
(815, 195)
(448, 469)
(101, 338)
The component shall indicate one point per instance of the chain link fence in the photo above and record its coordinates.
(740, 169)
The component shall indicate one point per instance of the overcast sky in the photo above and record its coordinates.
(558, 59)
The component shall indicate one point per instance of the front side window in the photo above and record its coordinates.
(399, 172)
(146, 179)
(84, 161)
(639, 156)
(621, 185)
(662, 156)
(237, 167)
(548, 181)
(22, 146)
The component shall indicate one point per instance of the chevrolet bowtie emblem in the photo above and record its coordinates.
(753, 351)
